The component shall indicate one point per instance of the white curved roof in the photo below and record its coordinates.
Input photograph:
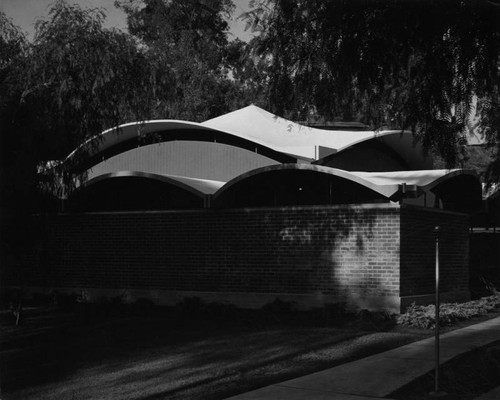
(385, 183)
(286, 136)
(131, 130)
(425, 179)
(253, 124)
(200, 187)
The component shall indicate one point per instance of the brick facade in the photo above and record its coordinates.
(418, 249)
(367, 256)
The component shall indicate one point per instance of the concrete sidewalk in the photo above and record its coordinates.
(379, 375)
(491, 395)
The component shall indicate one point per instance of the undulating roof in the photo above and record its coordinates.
(425, 179)
(386, 184)
(289, 137)
(200, 187)
(285, 142)
(459, 190)
(255, 125)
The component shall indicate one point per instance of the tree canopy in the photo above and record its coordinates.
(74, 80)
(190, 39)
(419, 65)
(422, 65)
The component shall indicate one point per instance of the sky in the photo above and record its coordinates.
(24, 13)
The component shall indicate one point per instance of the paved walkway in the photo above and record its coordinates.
(379, 375)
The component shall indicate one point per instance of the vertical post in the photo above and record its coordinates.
(436, 383)
(437, 392)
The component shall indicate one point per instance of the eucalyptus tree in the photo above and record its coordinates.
(429, 66)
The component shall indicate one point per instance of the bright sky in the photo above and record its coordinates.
(24, 13)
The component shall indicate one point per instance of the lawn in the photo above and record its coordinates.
(127, 353)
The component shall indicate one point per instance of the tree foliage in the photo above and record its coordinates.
(90, 77)
(13, 47)
(409, 65)
(74, 80)
(191, 39)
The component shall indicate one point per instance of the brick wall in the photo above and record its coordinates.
(329, 252)
(313, 255)
(418, 253)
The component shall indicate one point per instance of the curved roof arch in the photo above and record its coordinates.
(459, 189)
(135, 191)
(385, 190)
(461, 192)
(122, 133)
(299, 185)
(250, 127)
(426, 180)
(128, 136)
(310, 143)
(198, 187)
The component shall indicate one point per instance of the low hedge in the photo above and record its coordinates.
(449, 313)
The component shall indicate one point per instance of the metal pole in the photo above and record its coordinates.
(437, 392)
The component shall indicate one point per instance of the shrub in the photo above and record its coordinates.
(190, 306)
(450, 313)
(221, 311)
(374, 319)
(65, 301)
(280, 311)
